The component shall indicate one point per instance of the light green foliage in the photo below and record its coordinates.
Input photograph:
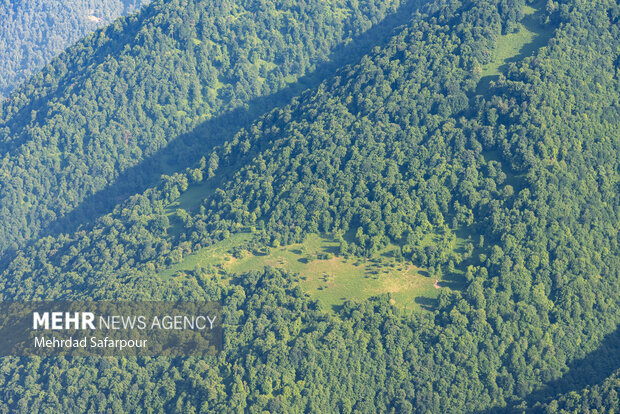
(143, 90)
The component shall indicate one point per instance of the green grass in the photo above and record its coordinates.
(193, 196)
(531, 35)
(330, 279)
(508, 46)
(191, 199)
(214, 255)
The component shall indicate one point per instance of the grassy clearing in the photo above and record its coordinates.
(192, 198)
(215, 255)
(511, 47)
(324, 276)
(188, 201)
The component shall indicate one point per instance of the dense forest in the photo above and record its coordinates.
(400, 144)
(34, 31)
(600, 398)
(127, 91)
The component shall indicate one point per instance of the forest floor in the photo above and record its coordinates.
(330, 278)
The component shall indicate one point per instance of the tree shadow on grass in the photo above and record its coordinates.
(453, 281)
(429, 304)
(331, 249)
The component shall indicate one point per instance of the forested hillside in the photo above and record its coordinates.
(601, 398)
(32, 32)
(124, 93)
(411, 147)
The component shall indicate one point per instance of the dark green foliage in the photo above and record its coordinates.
(600, 398)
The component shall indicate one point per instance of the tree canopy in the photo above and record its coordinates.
(400, 145)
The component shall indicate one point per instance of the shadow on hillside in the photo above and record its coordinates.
(187, 150)
(543, 32)
(591, 370)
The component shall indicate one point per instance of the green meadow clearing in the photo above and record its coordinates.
(531, 34)
(329, 278)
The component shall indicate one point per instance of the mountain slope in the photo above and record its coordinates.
(601, 397)
(34, 31)
(127, 91)
(389, 150)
